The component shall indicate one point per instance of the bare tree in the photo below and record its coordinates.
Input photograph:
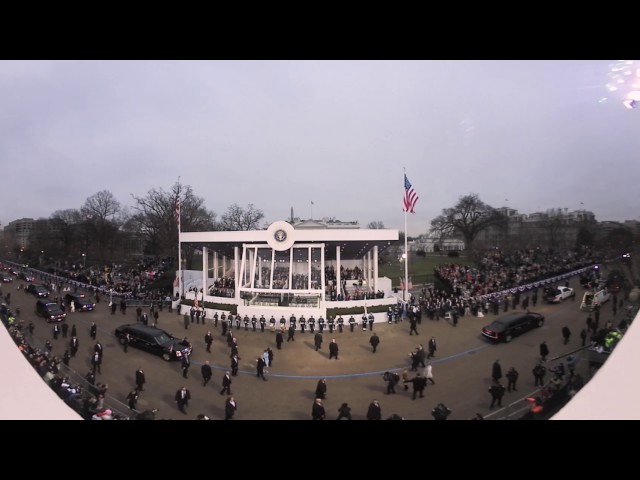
(468, 218)
(376, 225)
(101, 211)
(156, 218)
(237, 218)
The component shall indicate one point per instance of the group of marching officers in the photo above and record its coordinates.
(228, 321)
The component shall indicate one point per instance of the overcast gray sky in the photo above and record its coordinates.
(531, 135)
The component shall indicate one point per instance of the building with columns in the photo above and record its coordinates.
(285, 269)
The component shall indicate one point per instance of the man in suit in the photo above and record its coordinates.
(235, 364)
(182, 397)
(185, 362)
(125, 342)
(321, 389)
(374, 341)
(230, 408)
(333, 349)
(318, 411)
(226, 383)
(74, 344)
(317, 341)
(279, 340)
(432, 347)
(93, 331)
(260, 368)
(133, 399)
(208, 340)
(207, 373)
(96, 361)
(140, 380)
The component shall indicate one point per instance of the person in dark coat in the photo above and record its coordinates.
(496, 371)
(512, 377)
(207, 373)
(497, 392)
(93, 331)
(140, 380)
(208, 340)
(317, 411)
(230, 408)
(56, 331)
(133, 399)
(65, 329)
(66, 357)
(317, 341)
(185, 363)
(126, 340)
(432, 347)
(279, 340)
(544, 351)
(374, 341)
(419, 384)
(333, 349)
(182, 397)
(539, 372)
(344, 412)
(374, 412)
(260, 364)
(321, 389)
(235, 364)
(566, 334)
(226, 383)
(74, 344)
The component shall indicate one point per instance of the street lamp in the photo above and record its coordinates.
(84, 263)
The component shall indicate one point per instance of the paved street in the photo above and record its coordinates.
(462, 365)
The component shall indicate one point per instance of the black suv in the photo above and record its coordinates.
(154, 340)
(50, 310)
(511, 325)
(38, 290)
(81, 302)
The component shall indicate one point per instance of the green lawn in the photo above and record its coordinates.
(420, 268)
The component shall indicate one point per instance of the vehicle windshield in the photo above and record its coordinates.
(588, 299)
(163, 338)
(496, 326)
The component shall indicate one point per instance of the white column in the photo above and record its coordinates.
(205, 269)
(224, 265)
(375, 268)
(216, 274)
(253, 267)
(290, 267)
(322, 279)
(309, 269)
(338, 276)
(236, 275)
(273, 261)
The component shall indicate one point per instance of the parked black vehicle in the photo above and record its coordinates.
(38, 290)
(81, 302)
(50, 310)
(154, 340)
(511, 325)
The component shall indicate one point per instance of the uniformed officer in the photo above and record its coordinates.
(371, 319)
(352, 323)
(272, 323)
(364, 322)
(283, 323)
(292, 322)
(312, 324)
(246, 323)
(224, 324)
(340, 323)
(331, 323)
(215, 319)
(321, 324)
(389, 315)
(303, 323)
(238, 321)
(254, 323)
(263, 323)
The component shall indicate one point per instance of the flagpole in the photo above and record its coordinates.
(311, 210)
(406, 260)
(180, 277)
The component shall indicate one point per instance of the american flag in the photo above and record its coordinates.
(410, 197)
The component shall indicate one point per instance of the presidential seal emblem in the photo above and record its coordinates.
(280, 235)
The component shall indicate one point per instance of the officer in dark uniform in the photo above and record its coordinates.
(320, 324)
(246, 323)
(283, 323)
(292, 332)
(238, 321)
(331, 323)
(292, 322)
(223, 325)
(254, 323)
(352, 323)
(303, 323)
(389, 315)
(230, 322)
(263, 323)
(340, 323)
(215, 319)
(364, 322)
(371, 319)
(272, 323)
(312, 324)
